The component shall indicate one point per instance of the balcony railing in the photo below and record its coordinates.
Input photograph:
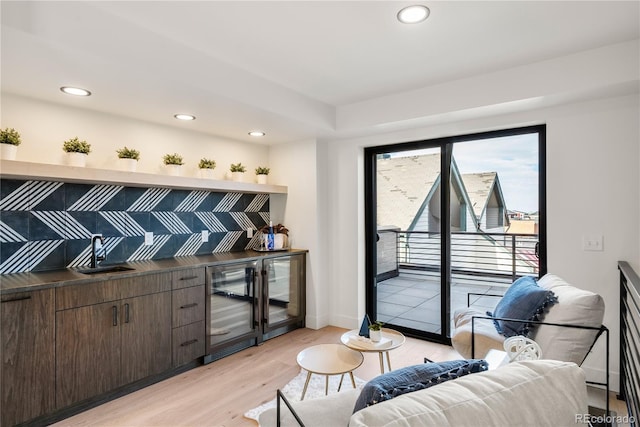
(477, 254)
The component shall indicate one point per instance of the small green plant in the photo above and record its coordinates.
(74, 145)
(207, 163)
(128, 153)
(237, 168)
(173, 159)
(262, 170)
(376, 326)
(9, 136)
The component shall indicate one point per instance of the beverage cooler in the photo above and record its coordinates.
(251, 301)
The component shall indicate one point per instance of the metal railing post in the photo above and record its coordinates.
(513, 257)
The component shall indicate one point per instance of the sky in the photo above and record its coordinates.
(514, 158)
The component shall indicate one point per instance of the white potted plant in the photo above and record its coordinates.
(206, 167)
(237, 172)
(261, 174)
(375, 331)
(77, 152)
(174, 163)
(128, 159)
(9, 141)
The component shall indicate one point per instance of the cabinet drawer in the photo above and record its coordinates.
(144, 284)
(188, 343)
(189, 277)
(86, 294)
(188, 305)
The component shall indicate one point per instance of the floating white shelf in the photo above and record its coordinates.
(11, 169)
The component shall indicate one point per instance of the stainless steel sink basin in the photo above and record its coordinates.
(105, 269)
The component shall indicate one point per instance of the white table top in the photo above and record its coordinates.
(329, 359)
(396, 340)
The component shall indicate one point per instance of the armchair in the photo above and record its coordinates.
(568, 331)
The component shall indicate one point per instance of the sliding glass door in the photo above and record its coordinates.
(449, 221)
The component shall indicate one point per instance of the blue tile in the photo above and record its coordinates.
(256, 219)
(18, 221)
(206, 205)
(156, 226)
(117, 200)
(105, 228)
(86, 220)
(75, 197)
(131, 196)
(14, 257)
(44, 260)
(47, 196)
(229, 223)
(143, 220)
(77, 252)
(49, 230)
(187, 220)
(11, 197)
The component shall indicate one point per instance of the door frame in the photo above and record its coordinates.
(446, 149)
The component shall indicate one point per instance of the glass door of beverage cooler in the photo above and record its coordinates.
(283, 287)
(233, 304)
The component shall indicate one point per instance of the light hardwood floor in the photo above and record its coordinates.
(219, 393)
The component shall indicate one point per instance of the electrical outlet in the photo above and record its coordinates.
(593, 243)
(205, 236)
(249, 233)
(148, 238)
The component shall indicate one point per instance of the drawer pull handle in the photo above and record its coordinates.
(189, 278)
(114, 311)
(17, 299)
(189, 305)
(184, 344)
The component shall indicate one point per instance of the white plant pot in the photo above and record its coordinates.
(77, 159)
(237, 176)
(8, 151)
(375, 336)
(174, 170)
(261, 179)
(128, 165)
(206, 173)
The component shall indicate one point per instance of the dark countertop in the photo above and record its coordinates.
(24, 282)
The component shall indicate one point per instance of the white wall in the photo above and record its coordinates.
(592, 188)
(294, 165)
(44, 127)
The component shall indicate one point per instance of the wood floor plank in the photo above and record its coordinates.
(218, 394)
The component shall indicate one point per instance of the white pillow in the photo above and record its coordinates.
(575, 306)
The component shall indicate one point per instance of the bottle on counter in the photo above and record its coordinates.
(271, 237)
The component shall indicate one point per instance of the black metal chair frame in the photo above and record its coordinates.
(602, 329)
(280, 396)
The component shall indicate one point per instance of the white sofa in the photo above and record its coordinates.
(528, 393)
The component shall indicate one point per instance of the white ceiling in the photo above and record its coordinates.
(282, 67)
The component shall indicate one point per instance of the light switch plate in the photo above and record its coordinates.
(205, 235)
(593, 242)
(249, 233)
(148, 238)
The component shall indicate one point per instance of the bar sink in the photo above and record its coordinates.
(105, 269)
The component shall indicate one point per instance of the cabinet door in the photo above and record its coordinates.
(28, 363)
(146, 336)
(87, 352)
(283, 290)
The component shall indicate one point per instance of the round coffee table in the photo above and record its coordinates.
(390, 339)
(329, 359)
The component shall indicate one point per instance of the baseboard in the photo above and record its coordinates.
(599, 375)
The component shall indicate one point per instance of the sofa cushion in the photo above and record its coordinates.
(412, 378)
(575, 306)
(486, 336)
(527, 393)
(524, 300)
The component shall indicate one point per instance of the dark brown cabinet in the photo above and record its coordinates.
(28, 381)
(120, 333)
(188, 305)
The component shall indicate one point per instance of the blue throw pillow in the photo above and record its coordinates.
(524, 300)
(413, 378)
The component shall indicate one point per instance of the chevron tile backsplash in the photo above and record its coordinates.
(48, 225)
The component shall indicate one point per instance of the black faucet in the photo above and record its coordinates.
(95, 248)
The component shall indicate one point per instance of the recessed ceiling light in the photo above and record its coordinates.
(257, 133)
(184, 117)
(413, 14)
(75, 91)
